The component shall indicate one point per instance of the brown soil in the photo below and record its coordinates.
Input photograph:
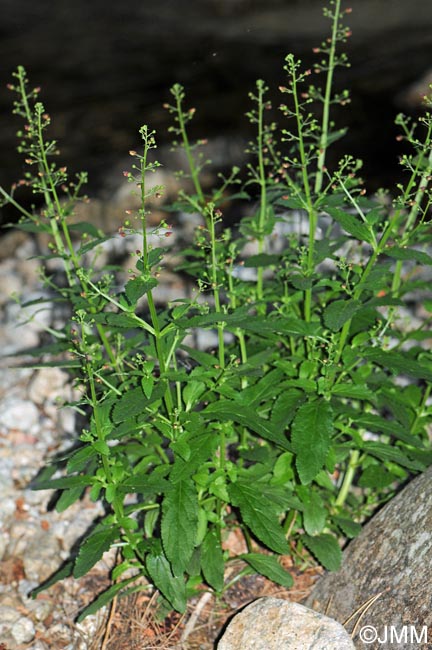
(137, 622)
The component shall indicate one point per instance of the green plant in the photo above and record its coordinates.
(314, 406)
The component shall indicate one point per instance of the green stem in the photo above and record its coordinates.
(215, 286)
(179, 95)
(262, 184)
(327, 101)
(149, 143)
(312, 213)
(348, 478)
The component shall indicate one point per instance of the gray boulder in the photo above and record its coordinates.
(276, 624)
(385, 579)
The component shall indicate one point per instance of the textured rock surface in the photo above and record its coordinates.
(275, 624)
(390, 560)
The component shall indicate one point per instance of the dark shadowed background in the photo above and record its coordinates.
(105, 67)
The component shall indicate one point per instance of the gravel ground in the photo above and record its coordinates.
(34, 539)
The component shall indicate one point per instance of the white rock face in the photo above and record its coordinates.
(276, 624)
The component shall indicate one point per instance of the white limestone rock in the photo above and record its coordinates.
(276, 624)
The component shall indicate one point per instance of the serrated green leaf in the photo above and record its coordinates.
(353, 391)
(147, 384)
(268, 566)
(351, 224)
(387, 453)
(104, 598)
(93, 548)
(31, 226)
(376, 476)
(378, 424)
(391, 400)
(258, 513)
(147, 485)
(137, 287)
(280, 325)
(283, 469)
(400, 362)
(201, 449)
(337, 313)
(155, 255)
(407, 254)
(80, 458)
(314, 513)
(85, 248)
(133, 403)
(172, 588)
(285, 407)
(212, 561)
(101, 447)
(326, 550)
(68, 497)
(229, 410)
(192, 392)
(203, 358)
(85, 228)
(311, 434)
(179, 524)
(211, 319)
(64, 482)
(349, 527)
(66, 363)
(121, 320)
(301, 282)
(263, 389)
(181, 447)
(263, 259)
(65, 571)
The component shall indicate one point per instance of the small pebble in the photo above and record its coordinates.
(18, 414)
(23, 631)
